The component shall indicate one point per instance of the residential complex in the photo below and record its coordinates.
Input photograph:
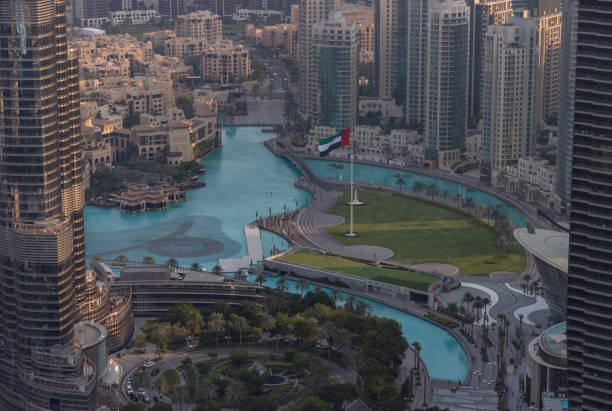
(311, 12)
(482, 15)
(225, 62)
(567, 81)
(200, 25)
(334, 62)
(508, 96)
(448, 31)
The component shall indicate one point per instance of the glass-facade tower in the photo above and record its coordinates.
(42, 248)
(589, 293)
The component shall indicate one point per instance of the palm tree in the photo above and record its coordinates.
(206, 391)
(334, 293)
(302, 284)
(350, 303)
(236, 393)
(362, 308)
(453, 309)
(178, 395)
(458, 198)
(148, 260)
(342, 338)
(195, 266)
(260, 280)
(172, 262)
(387, 150)
(432, 190)
(521, 316)
(418, 187)
(400, 182)
(238, 274)
(217, 269)
(478, 304)
(282, 285)
(469, 201)
(216, 324)
(240, 325)
(468, 298)
(405, 151)
(489, 211)
(121, 258)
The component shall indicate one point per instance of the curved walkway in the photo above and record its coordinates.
(492, 296)
(527, 310)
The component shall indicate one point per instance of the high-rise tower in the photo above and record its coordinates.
(567, 81)
(508, 96)
(448, 32)
(311, 12)
(589, 292)
(42, 248)
(334, 64)
(482, 15)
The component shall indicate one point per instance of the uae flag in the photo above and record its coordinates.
(328, 144)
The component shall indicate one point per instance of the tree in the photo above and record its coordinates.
(387, 150)
(217, 270)
(185, 103)
(172, 263)
(160, 385)
(468, 298)
(195, 266)
(239, 324)
(260, 280)
(121, 258)
(141, 380)
(362, 308)
(159, 334)
(304, 328)
(236, 393)
(206, 391)
(148, 260)
(432, 190)
(418, 187)
(133, 406)
(268, 323)
(445, 195)
(131, 120)
(303, 285)
(161, 406)
(179, 395)
(216, 324)
(503, 245)
(400, 182)
(310, 404)
(453, 309)
(342, 339)
(140, 340)
(458, 199)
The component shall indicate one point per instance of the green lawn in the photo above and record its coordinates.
(419, 231)
(397, 277)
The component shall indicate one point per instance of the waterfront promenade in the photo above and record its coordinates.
(254, 252)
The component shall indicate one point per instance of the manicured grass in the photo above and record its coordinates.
(419, 231)
(397, 277)
(441, 320)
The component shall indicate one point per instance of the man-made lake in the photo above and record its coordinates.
(242, 178)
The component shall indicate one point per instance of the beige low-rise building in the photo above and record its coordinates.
(201, 25)
(225, 62)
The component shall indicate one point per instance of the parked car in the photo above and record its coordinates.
(149, 364)
(154, 371)
(145, 397)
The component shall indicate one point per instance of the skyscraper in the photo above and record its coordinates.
(567, 81)
(482, 15)
(589, 292)
(311, 12)
(416, 53)
(508, 95)
(448, 32)
(42, 248)
(334, 64)
(86, 10)
(548, 16)
(385, 46)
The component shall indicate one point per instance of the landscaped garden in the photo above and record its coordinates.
(420, 231)
(334, 263)
(365, 349)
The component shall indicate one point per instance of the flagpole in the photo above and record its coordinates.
(351, 203)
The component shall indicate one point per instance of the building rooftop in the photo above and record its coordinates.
(88, 333)
(554, 340)
(547, 245)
